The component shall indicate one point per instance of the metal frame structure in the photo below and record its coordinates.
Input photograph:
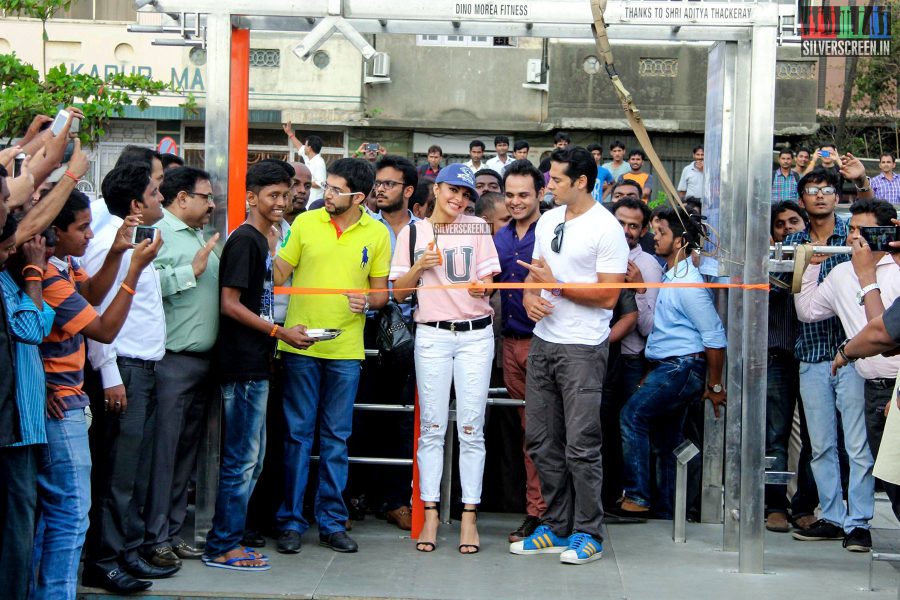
(747, 43)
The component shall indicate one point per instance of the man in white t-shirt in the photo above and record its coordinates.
(310, 152)
(578, 242)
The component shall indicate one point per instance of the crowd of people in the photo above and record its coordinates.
(125, 320)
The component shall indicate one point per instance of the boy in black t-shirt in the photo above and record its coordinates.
(246, 344)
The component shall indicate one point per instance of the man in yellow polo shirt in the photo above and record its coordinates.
(337, 246)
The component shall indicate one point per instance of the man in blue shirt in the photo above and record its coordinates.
(686, 345)
(604, 177)
(28, 325)
(524, 187)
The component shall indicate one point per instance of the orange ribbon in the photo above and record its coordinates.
(519, 286)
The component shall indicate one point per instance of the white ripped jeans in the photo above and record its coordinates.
(464, 358)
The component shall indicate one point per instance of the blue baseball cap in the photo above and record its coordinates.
(459, 175)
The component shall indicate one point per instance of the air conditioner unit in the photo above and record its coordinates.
(533, 70)
(381, 65)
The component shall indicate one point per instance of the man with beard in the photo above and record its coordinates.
(396, 180)
(339, 247)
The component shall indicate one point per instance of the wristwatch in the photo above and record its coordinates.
(861, 294)
(716, 389)
(843, 353)
(556, 292)
(863, 189)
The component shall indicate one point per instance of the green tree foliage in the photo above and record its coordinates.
(23, 94)
(875, 87)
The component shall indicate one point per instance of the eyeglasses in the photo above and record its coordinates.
(387, 184)
(336, 191)
(826, 191)
(208, 197)
(556, 242)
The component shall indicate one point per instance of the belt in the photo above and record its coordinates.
(201, 355)
(455, 326)
(140, 363)
(700, 355)
(882, 382)
(517, 336)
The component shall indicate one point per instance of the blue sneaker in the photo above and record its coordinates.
(583, 548)
(542, 541)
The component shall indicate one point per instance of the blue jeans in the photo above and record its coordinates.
(823, 397)
(660, 406)
(782, 391)
(64, 499)
(242, 458)
(317, 391)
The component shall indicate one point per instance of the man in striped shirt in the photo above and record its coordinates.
(886, 184)
(65, 467)
(28, 324)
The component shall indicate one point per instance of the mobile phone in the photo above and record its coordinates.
(67, 153)
(143, 232)
(17, 166)
(371, 147)
(879, 238)
(76, 125)
(825, 153)
(59, 122)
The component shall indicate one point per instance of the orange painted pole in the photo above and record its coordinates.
(418, 507)
(239, 125)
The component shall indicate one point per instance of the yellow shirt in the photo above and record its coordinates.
(322, 259)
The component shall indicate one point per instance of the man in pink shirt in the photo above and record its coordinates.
(855, 291)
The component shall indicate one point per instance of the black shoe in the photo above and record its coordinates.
(858, 540)
(819, 531)
(253, 539)
(187, 552)
(338, 541)
(115, 581)
(289, 542)
(162, 557)
(144, 570)
(525, 529)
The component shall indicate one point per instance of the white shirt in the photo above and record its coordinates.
(143, 336)
(652, 272)
(282, 300)
(836, 296)
(498, 165)
(319, 172)
(475, 169)
(592, 243)
(691, 182)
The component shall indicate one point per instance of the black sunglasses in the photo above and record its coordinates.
(556, 243)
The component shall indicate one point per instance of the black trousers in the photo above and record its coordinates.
(122, 449)
(18, 497)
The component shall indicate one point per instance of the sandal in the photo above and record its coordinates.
(427, 546)
(231, 564)
(470, 548)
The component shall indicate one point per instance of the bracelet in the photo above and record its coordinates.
(73, 176)
(35, 267)
(34, 279)
(366, 306)
(843, 353)
(865, 189)
(274, 330)
(127, 288)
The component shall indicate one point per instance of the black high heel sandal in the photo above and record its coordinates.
(427, 546)
(470, 546)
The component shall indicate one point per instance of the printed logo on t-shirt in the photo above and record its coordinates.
(365, 257)
(287, 236)
(267, 302)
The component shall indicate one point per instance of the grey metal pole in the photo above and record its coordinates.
(218, 106)
(684, 453)
(447, 473)
(756, 303)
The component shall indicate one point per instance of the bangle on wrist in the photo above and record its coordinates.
(843, 353)
(274, 330)
(34, 278)
(32, 268)
(863, 189)
(127, 288)
(72, 176)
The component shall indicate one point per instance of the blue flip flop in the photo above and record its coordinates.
(254, 554)
(231, 564)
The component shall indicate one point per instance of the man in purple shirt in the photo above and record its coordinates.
(524, 187)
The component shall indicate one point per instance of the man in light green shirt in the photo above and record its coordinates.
(189, 279)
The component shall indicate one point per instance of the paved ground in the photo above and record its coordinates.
(639, 562)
